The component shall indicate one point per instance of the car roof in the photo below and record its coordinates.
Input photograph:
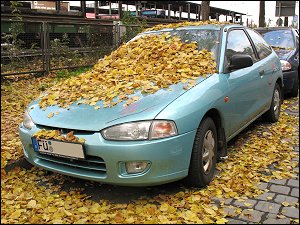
(191, 27)
(274, 28)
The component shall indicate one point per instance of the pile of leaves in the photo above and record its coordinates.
(57, 135)
(147, 64)
(14, 99)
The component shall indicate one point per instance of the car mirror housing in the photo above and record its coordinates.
(240, 61)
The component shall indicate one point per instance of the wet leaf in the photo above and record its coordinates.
(50, 115)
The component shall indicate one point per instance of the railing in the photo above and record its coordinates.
(47, 46)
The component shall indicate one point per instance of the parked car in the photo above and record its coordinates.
(285, 41)
(171, 134)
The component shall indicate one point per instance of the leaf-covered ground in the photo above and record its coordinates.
(263, 152)
(16, 94)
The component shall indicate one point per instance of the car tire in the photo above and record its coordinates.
(294, 91)
(272, 115)
(204, 154)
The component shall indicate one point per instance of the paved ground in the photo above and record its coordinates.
(265, 209)
(268, 208)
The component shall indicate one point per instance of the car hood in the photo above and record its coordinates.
(87, 118)
(284, 54)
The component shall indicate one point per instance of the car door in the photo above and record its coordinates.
(246, 88)
(265, 64)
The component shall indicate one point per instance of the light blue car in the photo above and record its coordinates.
(168, 135)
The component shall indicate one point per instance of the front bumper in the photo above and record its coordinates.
(168, 158)
(289, 78)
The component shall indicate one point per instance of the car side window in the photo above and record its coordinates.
(263, 49)
(238, 43)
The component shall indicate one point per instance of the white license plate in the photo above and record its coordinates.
(58, 148)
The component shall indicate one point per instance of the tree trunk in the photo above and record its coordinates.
(120, 9)
(262, 22)
(205, 10)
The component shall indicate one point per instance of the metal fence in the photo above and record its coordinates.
(46, 46)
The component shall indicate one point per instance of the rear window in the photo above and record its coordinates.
(279, 38)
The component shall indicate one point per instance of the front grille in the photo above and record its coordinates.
(65, 130)
(90, 163)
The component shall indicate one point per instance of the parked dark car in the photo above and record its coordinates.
(285, 42)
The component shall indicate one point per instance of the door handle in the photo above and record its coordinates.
(261, 72)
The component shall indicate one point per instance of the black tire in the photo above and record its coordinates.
(294, 91)
(272, 115)
(199, 175)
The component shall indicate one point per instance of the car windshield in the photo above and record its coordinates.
(282, 39)
(206, 39)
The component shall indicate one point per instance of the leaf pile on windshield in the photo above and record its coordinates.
(57, 135)
(183, 24)
(147, 64)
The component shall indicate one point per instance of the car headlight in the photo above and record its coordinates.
(285, 65)
(27, 121)
(143, 130)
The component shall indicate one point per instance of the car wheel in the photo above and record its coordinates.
(294, 91)
(204, 154)
(272, 115)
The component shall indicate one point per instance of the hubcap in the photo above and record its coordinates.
(276, 100)
(208, 151)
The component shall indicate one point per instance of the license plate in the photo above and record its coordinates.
(58, 148)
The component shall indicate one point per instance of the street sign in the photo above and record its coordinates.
(285, 8)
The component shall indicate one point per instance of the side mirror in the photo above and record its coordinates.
(240, 61)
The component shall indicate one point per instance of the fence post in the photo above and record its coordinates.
(117, 34)
(46, 48)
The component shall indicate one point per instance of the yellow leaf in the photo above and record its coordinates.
(130, 220)
(94, 208)
(57, 221)
(83, 209)
(31, 204)
(219, 192)
(67, 213)
(135, 98)
(81, 221)
(281, 216)
(164, 207)
(221, 221)
(16, 214)
(50, 115)
(285, 204)
(210, 211)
